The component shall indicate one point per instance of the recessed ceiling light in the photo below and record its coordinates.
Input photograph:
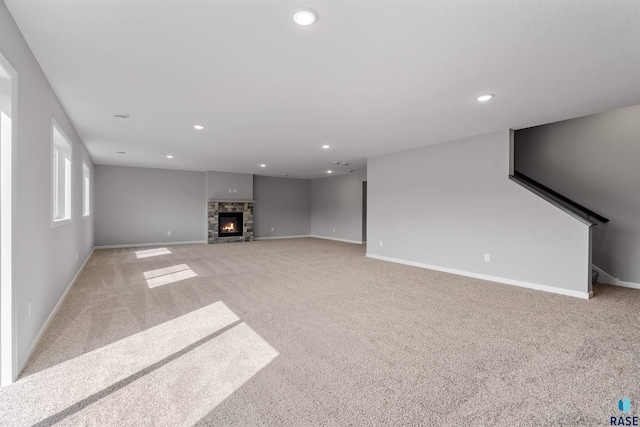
(485, 98)
(120, 152)
(263, 166)
(169, 156)
(326, 146)
(199, 127)
(121, 116)
(329, 171)
(304, 17)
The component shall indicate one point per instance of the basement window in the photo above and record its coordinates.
(61, 175)
(86, 190)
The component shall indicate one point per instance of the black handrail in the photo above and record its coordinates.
(559, 196)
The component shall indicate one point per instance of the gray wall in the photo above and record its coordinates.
(44, 257)
(283, 204)
(5, 100)
(219, 184)
(446, 205)
(594, 161)
(336, 203)
(140, 205)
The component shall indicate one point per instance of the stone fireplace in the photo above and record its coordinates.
(230, 221)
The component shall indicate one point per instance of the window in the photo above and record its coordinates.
(86, 190)
(61, 175)
(8, 143)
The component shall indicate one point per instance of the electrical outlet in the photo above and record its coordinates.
(380, 242)
(29, 308)
(273, 229)
(168, 233)
(487, 258)
(229, 190)
(334, 230)
(234, 190)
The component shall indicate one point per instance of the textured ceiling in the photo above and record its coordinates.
(368, 78)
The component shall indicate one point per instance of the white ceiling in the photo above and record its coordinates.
(370, 77)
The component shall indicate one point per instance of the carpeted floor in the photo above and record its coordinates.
(310, 332)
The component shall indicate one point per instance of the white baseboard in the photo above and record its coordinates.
(608, 279)
(627, 284)
(357, 242)
(23, 363)
(140, 245)
(281, 237)
(552, 289)
(604, 277)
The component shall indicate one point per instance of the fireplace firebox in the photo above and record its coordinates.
(229, 224)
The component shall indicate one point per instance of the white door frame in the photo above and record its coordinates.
(8, 156)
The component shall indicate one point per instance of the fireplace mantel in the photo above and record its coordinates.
(216, 207)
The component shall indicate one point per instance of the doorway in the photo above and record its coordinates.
(364, 212)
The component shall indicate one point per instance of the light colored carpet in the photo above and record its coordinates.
(310, 332)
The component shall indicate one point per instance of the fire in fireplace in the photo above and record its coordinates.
(229, 224)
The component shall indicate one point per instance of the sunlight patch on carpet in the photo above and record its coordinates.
(167, 275)
(185, 390)
(146, 253)
(91, 373)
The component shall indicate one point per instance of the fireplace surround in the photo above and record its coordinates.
(230, 221)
